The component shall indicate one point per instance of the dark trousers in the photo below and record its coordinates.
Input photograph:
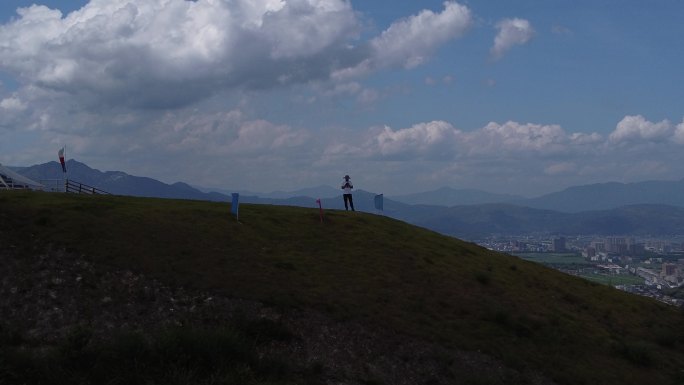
(348, 198)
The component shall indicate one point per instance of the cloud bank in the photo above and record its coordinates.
(171, 53)
(161, 53)
(512, 152)
(200, 91)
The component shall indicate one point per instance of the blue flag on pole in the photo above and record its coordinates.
(378, 202)
(234, 205)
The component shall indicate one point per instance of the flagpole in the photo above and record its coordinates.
(66, 172)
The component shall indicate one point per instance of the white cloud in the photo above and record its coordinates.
(12, 104)
(513, 137)
(512, 32)
(162, 54)
(439, 140)
(144, 53)
(410, 42)
(511, 156)
(217, 89)
(637, 129)
(679, 133)
(584, 138)
(424, 140)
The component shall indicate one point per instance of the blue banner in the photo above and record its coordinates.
(378, 202)
(234, 205)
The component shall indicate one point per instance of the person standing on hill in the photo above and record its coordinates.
(347, 186)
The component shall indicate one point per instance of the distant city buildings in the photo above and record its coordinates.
(559, 245)
(658, 262)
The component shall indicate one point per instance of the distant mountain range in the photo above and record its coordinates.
(645, 208)
(471, 222)
(600, 196)
(117, 182)
(604, 196)
(447, 196)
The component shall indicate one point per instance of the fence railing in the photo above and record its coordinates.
(53, 185)
(71, 186)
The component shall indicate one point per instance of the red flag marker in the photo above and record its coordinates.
(61, 159)
(320, 209)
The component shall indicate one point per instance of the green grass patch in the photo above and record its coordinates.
(553, 258)
(613, 280)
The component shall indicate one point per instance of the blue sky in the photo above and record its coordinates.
(523, 97)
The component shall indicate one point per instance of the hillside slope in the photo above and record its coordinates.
(373, 270)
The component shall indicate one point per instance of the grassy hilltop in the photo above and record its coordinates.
(366, 269)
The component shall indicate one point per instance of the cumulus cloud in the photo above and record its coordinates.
(512, 32)
(439, 140)
(558, 151)
(410, 42)
(499, 156)
(513, 136)
(679, 133)
(163, 53)
(431, 140)
(637, 129)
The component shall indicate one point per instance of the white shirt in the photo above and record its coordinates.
(347, 186)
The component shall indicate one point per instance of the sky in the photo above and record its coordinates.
(521, 97)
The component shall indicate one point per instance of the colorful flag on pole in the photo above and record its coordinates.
(61, 159)
(378, 202)
(234, 205)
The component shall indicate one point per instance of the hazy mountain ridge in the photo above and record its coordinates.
(603, 196)
(447, 196)
(481, 220)
(117, 182)
(645, 208)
